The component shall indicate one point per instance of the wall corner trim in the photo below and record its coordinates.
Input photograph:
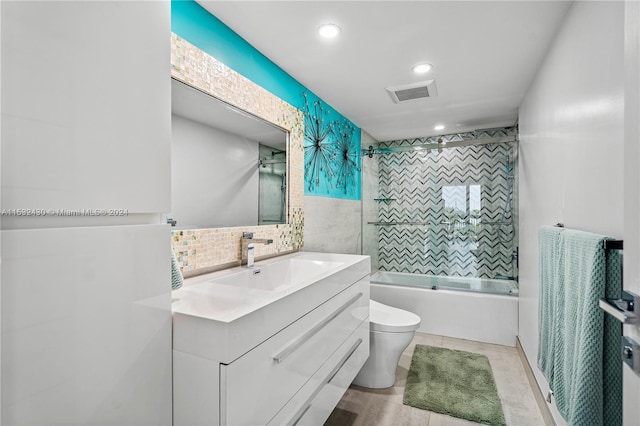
(537, 392)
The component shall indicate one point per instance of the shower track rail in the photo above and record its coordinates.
(441, 145)
(436, 223)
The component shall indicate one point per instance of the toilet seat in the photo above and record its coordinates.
(391, 320)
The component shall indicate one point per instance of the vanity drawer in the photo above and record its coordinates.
(313, 404)
(258, 384)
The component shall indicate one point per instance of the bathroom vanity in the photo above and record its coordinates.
(275, 344)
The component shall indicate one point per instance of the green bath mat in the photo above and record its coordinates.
(456, 383)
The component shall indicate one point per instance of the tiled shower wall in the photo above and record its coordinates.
(449, 211)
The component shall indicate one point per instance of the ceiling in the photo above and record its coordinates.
(484, 54)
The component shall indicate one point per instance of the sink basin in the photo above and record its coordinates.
(201, 299)
(278, 276)
(224, 314)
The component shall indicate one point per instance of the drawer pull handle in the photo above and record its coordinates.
(301, 415)
(330, 377)
(344, 360)
(309, 334)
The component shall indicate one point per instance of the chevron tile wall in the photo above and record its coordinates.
(458, 203)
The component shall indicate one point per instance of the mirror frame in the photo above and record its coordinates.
(205, 250)
(260, 129)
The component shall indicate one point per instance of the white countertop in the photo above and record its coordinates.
(212, 296)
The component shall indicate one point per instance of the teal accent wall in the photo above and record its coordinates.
(192, 22)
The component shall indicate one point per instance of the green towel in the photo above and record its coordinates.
(176, 275)
(551, 264)
(580, 358)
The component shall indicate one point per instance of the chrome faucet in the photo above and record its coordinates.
(248, 253)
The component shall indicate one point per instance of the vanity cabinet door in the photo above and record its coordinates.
(86, 105)
(86, 326)
(257, 385)
(313, 404)
(196, 390)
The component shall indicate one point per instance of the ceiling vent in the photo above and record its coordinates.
(413, 91)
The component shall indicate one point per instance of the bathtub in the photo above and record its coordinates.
(467, 308)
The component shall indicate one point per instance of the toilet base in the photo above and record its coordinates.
(374, 381)
(385, 350)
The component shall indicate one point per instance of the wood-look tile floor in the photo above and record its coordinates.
(368, 407)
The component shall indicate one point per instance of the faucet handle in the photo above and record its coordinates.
(247, 235)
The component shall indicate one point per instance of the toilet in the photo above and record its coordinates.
(390, 331)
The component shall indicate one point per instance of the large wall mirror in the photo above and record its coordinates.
(253, 182)
(229, 167)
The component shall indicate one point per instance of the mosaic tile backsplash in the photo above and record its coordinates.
(202, 250)
(447, 212)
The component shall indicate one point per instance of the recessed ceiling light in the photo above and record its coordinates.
(438, 127)
(422, 68)
(328, 30)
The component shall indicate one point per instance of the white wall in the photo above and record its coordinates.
(214, 176)
(631, 389)
(335, 225)
(332, 225)
(571, 146)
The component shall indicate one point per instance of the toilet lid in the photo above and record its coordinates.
(390, 319)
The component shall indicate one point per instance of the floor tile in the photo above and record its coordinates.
(444, 420)
(365, 409)
(382, 407)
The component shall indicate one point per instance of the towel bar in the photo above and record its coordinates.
(622, 309)
(612, 244)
